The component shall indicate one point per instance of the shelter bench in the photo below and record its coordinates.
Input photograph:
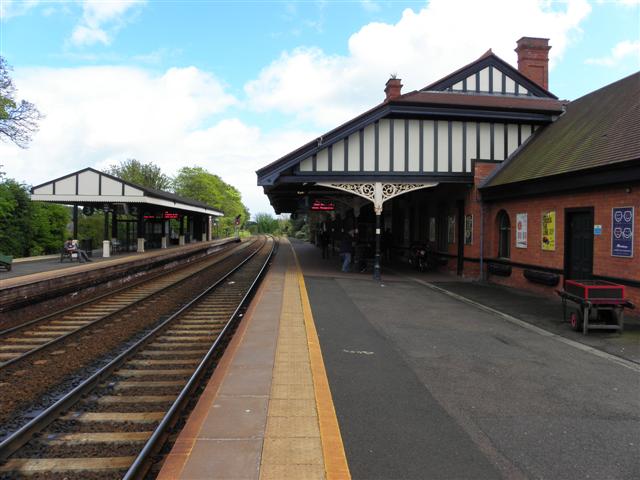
(70, 254)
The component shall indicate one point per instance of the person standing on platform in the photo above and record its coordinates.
(387, 240)
(346, 250)
(324, 243)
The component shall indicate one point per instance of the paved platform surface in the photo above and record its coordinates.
(266, 412)
(48, 264)
(26, 272)
(428, 386)
(425, 379)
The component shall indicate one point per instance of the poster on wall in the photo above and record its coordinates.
(622, 232)
(468, 229)
(521, 230)
(451, 231)
(432, 229)
(549, 231)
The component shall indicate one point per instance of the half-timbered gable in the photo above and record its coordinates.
(489, 75)
(417, 146)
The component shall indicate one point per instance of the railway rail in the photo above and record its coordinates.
(115, 422)
(20, 342)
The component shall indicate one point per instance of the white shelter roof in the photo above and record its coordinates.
(92, 186)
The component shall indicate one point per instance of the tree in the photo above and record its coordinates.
(265, 223)
(18, 119)
(26, 227)
(198, 184)
(145, 174)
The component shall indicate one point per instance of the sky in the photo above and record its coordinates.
(234, 85)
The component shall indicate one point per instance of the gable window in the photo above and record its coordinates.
(504, 234)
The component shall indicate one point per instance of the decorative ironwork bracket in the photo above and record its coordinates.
(377, 192)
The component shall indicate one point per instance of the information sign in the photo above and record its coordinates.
(622, 232)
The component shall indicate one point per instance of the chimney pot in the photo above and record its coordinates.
(533, 59)
(393, 89)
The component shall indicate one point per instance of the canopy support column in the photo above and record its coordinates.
(75, 221)
(106, 244)
(140, 248)
(377, 207)
(181, 232)
(114, 224)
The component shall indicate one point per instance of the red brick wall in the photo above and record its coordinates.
(602, 200)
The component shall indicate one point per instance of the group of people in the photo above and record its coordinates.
(347, 247)
(71, 246)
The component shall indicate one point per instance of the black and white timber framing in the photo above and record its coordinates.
(405, 146)
(483, 111)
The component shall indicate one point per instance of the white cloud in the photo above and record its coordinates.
(98, 116)
(421, 47)
(83, 35)
(100, 20)
(15, 8)
(370, 5)
(620, 52)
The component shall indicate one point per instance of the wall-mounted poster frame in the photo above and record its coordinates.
(468, 229)
(622, 219)
(548, 238)
(451, 229)
(521, 230)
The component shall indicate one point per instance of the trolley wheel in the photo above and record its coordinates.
(575, 319)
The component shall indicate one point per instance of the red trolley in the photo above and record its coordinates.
(596, 304)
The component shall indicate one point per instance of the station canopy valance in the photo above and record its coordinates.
(90, 186)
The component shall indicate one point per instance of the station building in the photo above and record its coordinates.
(489, 169)
(135, 217)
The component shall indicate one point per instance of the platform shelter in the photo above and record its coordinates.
(151, 215)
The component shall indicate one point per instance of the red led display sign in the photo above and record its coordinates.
(163, 216)
(323, 206)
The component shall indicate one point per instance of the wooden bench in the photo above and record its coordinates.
(5, 262)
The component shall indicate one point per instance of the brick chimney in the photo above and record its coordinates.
(392, 89)
(533, 59)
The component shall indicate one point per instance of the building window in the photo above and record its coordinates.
(504, 235)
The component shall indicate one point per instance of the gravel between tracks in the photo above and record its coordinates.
(29, 385)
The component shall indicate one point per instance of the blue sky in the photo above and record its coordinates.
(232, 86)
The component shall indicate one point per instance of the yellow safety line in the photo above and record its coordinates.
(335, 460)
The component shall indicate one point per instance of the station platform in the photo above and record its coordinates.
(48, 277)
(334, 375)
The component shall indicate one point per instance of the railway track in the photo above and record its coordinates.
(20, 342)
(115, 422)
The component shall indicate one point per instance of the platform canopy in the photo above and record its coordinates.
(483, 111)
(90, 186)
